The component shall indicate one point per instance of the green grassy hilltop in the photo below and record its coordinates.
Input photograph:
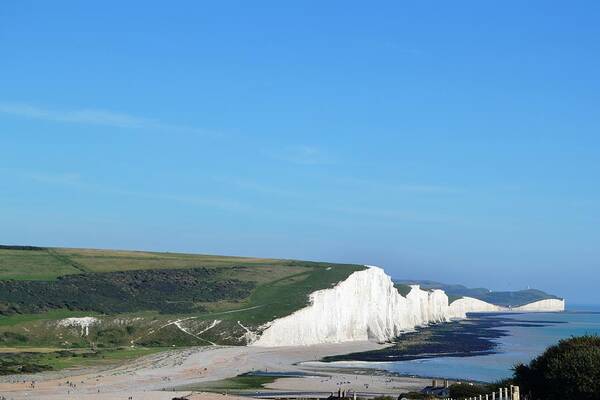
(146, 299)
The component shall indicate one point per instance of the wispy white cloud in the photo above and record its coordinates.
(257, 187)
(85, 116)
(394, 215)
(76, 181)
(391, 187)
(67, 178)
(93, 117)
(205, 201)
(302, 154)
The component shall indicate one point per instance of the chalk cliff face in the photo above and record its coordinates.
(367, 306)
(543, 305)
(459, 308)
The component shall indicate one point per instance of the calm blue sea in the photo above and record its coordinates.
(521, 345)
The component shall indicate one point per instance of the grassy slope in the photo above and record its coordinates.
(50, 263)
(237, 383)
(17, 319)
(402, 289)
(27, 360)
(281, 287)
(32, 265)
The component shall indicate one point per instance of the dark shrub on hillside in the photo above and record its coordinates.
(569, 370)
(164, 290)
(11, 247)
(21, 363)
(11, 337)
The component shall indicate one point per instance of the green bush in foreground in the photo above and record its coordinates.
(568, 370)
(414, 396)
(461, 391)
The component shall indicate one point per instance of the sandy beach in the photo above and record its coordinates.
(155, 376)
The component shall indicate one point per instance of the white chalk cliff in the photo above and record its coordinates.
(367, 306)
(459, 308)
(542, 305)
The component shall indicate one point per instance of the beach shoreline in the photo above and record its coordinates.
(155, 376)
(173, 372)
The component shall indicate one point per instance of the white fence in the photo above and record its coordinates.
(509, 393)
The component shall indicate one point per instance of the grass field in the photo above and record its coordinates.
(27, 360)
(32, 265)
(50, 263)
(41, 286)
(12, 320)
(237, 383)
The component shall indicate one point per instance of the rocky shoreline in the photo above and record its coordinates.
(461, 338)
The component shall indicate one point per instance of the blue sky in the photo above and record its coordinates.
(456, 141)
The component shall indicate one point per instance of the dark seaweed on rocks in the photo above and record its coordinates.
(464, 338)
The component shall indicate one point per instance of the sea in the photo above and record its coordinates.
(522, 344)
